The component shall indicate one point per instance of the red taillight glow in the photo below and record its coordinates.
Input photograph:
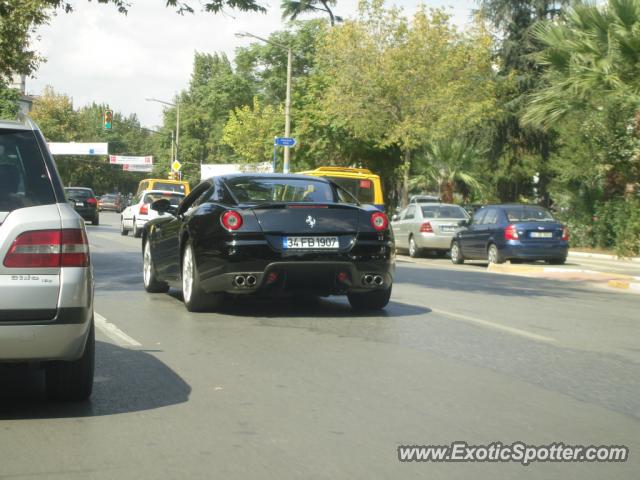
(144, 209)
(231, 220)
(379, 221)
(565, 234)
(510, 233)
(49, 249)
(92, 201)
(426, 228)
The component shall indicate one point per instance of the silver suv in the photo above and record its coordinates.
(46, 280)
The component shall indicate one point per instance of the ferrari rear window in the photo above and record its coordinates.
(266, 190)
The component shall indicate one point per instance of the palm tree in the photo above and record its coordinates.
(291, 9)
(448, 163)
(591, 58)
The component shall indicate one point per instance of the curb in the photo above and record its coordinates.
(524, 269)
(603, 256)
(625, 285)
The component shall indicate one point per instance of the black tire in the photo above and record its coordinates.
(414, 251)
(149, 275)
(197, 300)
(374, 300)
(137, 232)
(557, 261)
(96, 220)
(72, 381)
(494, 255)
(456, 254)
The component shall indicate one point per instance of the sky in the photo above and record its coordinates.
(97, 54)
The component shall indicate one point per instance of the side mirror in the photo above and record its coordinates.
(162, 206)
(463, 223)
(395, 217)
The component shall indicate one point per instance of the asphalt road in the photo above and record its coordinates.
(275, 390)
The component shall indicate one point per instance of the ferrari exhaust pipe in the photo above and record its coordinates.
(378, 280)
(251, 281)
(367, 279)
(239, 280)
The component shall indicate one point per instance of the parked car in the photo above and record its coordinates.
(513, 232)
(427, 226)
(251, 234)
(135, 217)
(46, 281)
(110, 201)
(84, 202)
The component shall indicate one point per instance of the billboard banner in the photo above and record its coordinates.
(73, 148)
(123, 159)
(137, 168)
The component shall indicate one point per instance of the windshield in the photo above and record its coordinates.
(361, 189)
(174, 198)
(24, 181)
(443, 211)
(170, 187)
(267, 190)
(528, 214)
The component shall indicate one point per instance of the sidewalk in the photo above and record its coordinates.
(601, 256)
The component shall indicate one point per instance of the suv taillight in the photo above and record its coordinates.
(510, 233)
(49, 249)
(426, 228)
(565, 234)
(144, 209)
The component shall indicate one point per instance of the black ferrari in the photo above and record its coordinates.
(269, 234)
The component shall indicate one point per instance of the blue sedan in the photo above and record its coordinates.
(515, 232)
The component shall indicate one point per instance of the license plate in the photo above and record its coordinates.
(79, 204)
(448, 228)
(309, 243)
(541, 234)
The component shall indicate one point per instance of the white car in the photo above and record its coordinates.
(134, 217)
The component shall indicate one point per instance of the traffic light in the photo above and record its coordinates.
(107, 119)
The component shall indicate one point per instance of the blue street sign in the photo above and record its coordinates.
(285, 141)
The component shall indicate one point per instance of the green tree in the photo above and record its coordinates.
(518, 152)
(449, 163)
(401, 84)
(250, 131)
(8, 101)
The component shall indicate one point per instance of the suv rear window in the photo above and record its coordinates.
(79, 193)
(24, 181)
(170, 187)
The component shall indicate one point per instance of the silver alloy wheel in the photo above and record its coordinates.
(455, 252)
(493, 254)
(147, 264)
(187, 274)
(412, 247)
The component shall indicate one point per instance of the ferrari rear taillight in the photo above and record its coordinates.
(565, 234)
(231, 220)
(426, 228)
(49, 249)
(510, 233)
(92, 202)
(144, 209)
(379, 221)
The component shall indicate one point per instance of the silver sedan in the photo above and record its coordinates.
(427, 226)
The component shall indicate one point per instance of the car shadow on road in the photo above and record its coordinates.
(480, 281)
(305, 307)
(125, 381)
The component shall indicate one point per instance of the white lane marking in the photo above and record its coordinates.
(114, 333)
(495, 326)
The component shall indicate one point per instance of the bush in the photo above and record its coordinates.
(617, 225)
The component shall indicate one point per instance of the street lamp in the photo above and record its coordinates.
(177, 105)
(287, 102)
